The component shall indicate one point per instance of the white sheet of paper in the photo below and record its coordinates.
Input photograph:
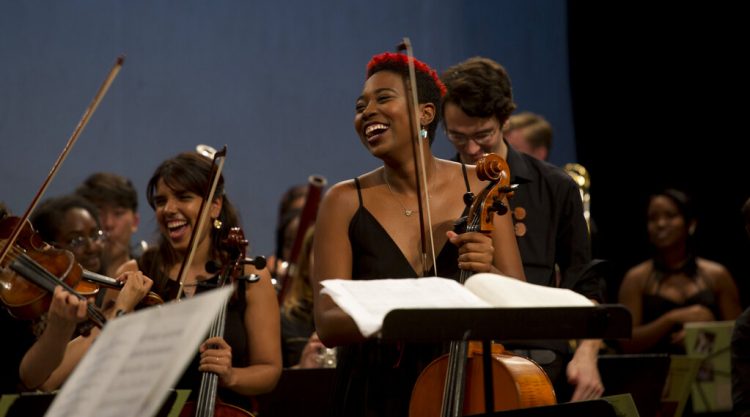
(137, 358)
(368, 301)
(501, 291)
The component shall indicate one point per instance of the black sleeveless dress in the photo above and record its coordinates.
(655, 306)
(234, 332)
(375, 378)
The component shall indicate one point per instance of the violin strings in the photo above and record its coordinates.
(50, 281)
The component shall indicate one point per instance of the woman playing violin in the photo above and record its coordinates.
(52, 357)
(248, 359)
(368, 228)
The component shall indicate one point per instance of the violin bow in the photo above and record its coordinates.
(419, 158)
(216, 168)
(64, 154)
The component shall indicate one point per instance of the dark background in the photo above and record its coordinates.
(659, 99)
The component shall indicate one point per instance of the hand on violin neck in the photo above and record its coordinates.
(136, 287)
(65, 312)
(475, 251)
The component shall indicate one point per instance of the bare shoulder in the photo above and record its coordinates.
(638, 275)
(715, 272)
(341, 197)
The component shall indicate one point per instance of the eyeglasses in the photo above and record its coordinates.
(482, 138)
(98, 236)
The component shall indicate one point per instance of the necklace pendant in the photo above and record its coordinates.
(408, 213)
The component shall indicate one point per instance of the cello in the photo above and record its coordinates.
(458, 377)
(207, 405)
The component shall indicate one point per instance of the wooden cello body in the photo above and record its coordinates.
(458, 377)
(517, 382)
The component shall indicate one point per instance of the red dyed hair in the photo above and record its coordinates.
(391, 58)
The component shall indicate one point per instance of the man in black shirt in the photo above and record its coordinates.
(547, 211)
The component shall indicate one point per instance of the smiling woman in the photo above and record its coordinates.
(247, 359)
(675, 286)
(365, 230)
(71, 222)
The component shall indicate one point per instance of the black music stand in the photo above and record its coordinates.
(606, 321)
(32, 404)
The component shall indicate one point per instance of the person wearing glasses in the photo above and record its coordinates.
(67, 222)
(72, 222)
(547, 212)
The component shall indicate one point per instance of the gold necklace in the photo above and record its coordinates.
(406, 211)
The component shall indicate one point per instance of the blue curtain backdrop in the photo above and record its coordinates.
(275, 81)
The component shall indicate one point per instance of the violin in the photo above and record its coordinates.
(458, 377)
(151, 299)
(33, 269)
(32, 258)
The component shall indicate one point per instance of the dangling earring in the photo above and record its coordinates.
(422, 132)
(217, 223)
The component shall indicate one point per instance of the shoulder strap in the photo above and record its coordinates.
(466, 176)
(359, 191)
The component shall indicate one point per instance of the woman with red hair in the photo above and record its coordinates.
(368, 228)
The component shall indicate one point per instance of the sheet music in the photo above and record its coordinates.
(137, 358)
(500, 291)
(368, 301)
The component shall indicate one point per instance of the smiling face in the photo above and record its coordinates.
(666, 224)
(177, 214)
(79, 233)
(381, 118)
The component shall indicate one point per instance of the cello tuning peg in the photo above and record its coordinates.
(499, 208)
(259, 262)
(468, 198)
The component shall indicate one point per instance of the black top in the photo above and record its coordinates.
(655, 306)
(296, 329)
(375, 378)
(19, 338)
(234, 334)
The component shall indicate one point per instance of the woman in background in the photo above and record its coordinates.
(675, 286)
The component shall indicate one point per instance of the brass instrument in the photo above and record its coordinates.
(581, 176)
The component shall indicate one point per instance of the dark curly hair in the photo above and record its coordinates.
(49, 216)
(480, 87)
(191, 172)
(429, 87)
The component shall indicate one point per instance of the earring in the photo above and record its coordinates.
(217, 223)
(422, 133)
